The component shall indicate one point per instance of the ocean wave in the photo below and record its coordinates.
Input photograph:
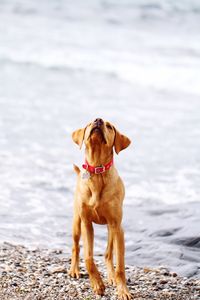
(131, 68)
(123, 10)
(51, 66)
(180, 189)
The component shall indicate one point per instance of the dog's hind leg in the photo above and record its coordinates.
(74, 269)
(109, 258)
(122, 290)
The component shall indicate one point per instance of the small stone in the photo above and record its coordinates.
(4, 273)
(58, 251)
(22, 270)
(60, 269)
(163, 281)
(46, 274)
(14, 284)
(17, 264)
(147, 270)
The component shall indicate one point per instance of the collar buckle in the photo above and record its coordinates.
(99, 170)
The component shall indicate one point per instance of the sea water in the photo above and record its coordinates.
(135, 63)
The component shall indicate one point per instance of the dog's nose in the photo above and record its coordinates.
(98, 122)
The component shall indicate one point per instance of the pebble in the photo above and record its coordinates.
(163, 281)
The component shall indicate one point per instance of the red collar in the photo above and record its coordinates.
(97, 170)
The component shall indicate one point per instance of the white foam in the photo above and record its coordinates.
(179, 189)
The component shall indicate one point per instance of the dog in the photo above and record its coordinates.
(98, 198)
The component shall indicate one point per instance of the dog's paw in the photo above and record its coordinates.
(111, 278)
(98, 286)
(123, 293)
(74, 272)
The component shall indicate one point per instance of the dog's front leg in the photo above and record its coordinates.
(88, 241)
(122, 290)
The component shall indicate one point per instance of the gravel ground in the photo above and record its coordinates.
(42, 274)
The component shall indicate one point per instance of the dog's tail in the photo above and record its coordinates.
(76, 169)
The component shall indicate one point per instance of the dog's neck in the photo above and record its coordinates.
(97, 156)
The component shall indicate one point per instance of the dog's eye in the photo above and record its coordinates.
(109, 126)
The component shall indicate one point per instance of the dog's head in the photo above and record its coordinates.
(101, 133)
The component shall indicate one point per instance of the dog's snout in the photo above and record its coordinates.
(98, 122)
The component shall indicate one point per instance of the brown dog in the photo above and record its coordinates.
(98, 198)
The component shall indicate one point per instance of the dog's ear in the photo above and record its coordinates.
(121, 141)
(78, 136)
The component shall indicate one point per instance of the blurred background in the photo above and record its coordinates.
(135, 63)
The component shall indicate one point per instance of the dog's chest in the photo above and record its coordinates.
(93, 202)
(95, 199)
(96, 190)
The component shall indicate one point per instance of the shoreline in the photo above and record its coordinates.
(42, 274)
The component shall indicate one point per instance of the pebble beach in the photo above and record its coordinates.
(37, 274)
